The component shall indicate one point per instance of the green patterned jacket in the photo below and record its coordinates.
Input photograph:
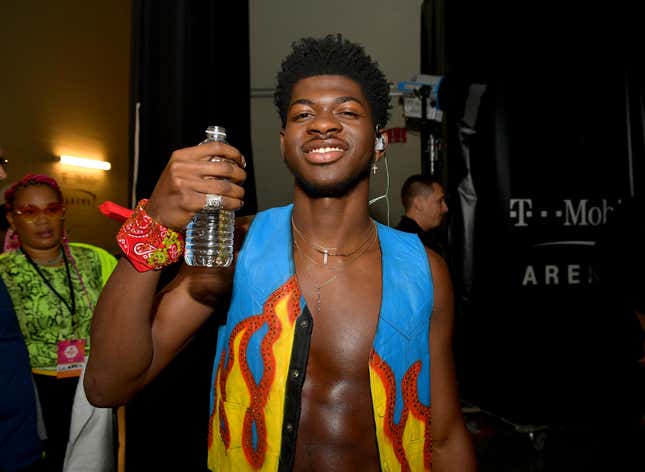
(43, 318)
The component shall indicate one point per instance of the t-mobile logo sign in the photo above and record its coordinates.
(570, 212)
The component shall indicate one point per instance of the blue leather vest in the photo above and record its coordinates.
(255, 402)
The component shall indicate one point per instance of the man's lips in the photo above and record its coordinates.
(324, 152)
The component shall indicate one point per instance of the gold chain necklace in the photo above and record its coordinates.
(352, 256)
(330, 251)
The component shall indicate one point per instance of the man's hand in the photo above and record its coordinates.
(189, 176)
(135, 333)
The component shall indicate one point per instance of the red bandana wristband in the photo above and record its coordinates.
(147, 244)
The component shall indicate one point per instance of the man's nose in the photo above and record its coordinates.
(325, 124)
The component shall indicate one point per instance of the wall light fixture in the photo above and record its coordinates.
(85, 162)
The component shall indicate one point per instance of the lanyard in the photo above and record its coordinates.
(72, 307)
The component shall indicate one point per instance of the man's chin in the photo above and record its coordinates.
(321, 190)
(336, 189)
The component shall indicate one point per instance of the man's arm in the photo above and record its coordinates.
(135, 332)
(452, 448)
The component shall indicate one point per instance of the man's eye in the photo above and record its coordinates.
(302, 115)
(349, 113)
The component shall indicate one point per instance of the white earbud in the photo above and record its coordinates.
(379, 145)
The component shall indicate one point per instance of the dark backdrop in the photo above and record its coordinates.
(545, 121)
(190, 69)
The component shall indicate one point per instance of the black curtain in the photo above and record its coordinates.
(433, 37)
(545, 124)
(190, 69)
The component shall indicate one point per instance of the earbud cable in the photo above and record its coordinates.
(387, 191)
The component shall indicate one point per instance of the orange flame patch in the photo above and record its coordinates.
(258, 392)
(411, 405)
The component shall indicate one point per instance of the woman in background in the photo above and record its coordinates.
(53, 286)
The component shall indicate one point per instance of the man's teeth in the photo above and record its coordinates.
(326, 149)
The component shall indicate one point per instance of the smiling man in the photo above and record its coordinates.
(336, 353)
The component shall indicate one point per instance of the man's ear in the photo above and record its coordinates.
(282, 142)
(418, 203)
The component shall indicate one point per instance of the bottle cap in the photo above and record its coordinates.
(217, 132)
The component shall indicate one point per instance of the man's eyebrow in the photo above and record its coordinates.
(301, 101)
(306, 101)
(349, 98)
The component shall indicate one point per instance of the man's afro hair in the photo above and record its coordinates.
(333, 55)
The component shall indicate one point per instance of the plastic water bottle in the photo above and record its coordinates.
(209, 235)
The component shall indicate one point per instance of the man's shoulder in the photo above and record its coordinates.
(262, 226)
(403, 243)
(274, 211)
(400, 234)
(270, 216)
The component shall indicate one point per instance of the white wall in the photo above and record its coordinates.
(390, 32)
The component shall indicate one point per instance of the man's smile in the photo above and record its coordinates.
(326, 149)
(324, 152)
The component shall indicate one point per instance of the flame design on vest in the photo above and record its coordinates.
(396, 439)
(235, 377)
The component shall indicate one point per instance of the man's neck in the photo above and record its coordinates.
(332, 222)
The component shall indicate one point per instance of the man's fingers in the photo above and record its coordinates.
(208, 150)
(197, 201)
(222, 169)
(228, 203)
(190, 175)
(192, 172)
(219, 187)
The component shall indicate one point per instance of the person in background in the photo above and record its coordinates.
(336, 353)
(53, 286)
(4, 225)
(424, 201)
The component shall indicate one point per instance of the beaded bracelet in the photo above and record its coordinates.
(147, 244)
